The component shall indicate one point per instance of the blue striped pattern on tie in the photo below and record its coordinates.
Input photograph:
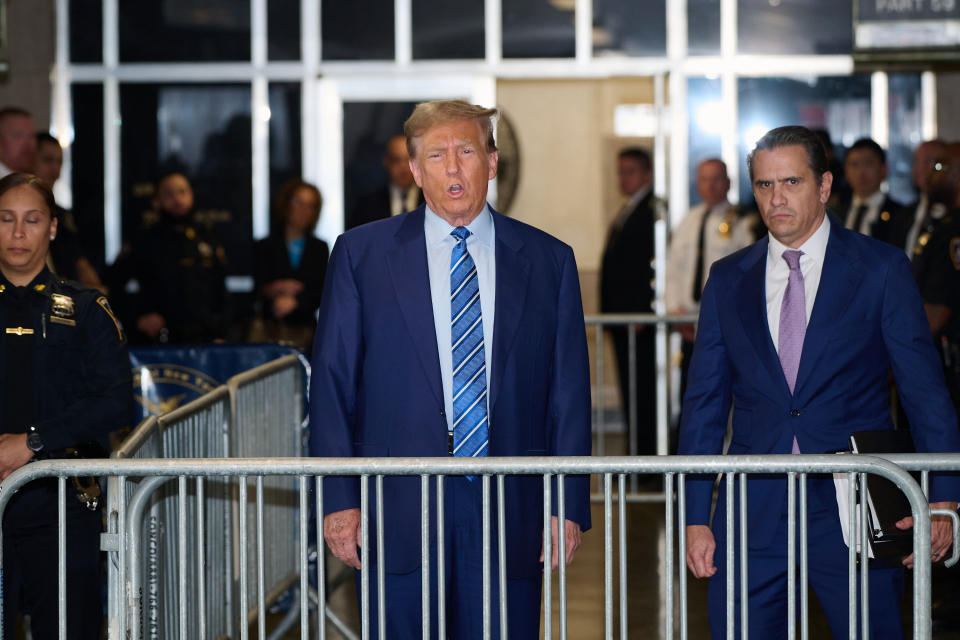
(469, 361)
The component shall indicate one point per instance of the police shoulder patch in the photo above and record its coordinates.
(102, 301)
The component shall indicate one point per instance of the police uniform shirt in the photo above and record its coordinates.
(866, 222)
(723, 233)
(925, 220)
(937, 269)
(18, 346)
(80, 387)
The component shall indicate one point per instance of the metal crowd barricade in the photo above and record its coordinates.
(264, 397)
(665, 398)
(127, 529)
(257, 413)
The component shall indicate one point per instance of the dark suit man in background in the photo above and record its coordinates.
(626, 286)
(871, 211)
(399, 195)
(802, 377)
(422, 314)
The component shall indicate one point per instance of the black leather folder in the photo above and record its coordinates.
(886, 503)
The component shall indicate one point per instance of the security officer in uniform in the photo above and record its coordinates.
(65, 384)
(180, 268)
(936, 266)
(711, 230)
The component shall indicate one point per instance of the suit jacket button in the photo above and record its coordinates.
(795, 413)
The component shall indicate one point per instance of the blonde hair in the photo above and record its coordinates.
(430, 114)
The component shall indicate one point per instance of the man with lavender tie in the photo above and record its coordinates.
(797, 333)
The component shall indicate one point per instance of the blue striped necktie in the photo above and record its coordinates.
(469, 361)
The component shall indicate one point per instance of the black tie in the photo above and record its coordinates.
(858, 217)
(698, 276)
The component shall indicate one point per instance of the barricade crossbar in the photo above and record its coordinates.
(124, 537)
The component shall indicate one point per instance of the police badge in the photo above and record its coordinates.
(62, 310)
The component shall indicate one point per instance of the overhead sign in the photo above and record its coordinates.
(890, 10)
(907, 29)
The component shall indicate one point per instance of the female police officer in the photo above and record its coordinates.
(64, 386)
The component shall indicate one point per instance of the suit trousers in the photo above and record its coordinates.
(827, 575)
(463, 571)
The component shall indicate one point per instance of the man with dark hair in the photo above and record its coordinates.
(871, 211)
(399, 195)
(798, 333)
(18, 146)
(422, 314)
(69, 261)
(626, 286)
(181, 270)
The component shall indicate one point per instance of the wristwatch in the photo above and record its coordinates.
(34, 443)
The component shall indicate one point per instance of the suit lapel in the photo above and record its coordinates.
(839, 282)
(407, 265)
(513, 274)
(751, 305)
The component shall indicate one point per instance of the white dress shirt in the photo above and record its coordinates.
(480, 244)
(684, 250)
(403, 200)
(873, 203)
(778, 274)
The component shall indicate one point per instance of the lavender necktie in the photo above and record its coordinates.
(793, 324)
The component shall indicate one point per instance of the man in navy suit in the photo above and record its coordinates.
(422, 315)
(798, 332)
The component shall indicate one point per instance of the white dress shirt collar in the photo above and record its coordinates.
(438, 230)
(778, 273)
(637, 196)
(875, 201)
(815, 247)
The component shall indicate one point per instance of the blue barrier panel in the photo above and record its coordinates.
(166, 377)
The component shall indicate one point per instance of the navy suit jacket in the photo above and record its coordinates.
(867, 317)
(376, 388)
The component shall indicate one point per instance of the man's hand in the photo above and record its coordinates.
(283, 305)
(572, 538)
(14, 453)
(341, 530)
(700, 548)
(151, 324)
(941, 533)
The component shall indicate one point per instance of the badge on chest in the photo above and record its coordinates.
(62, 310)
